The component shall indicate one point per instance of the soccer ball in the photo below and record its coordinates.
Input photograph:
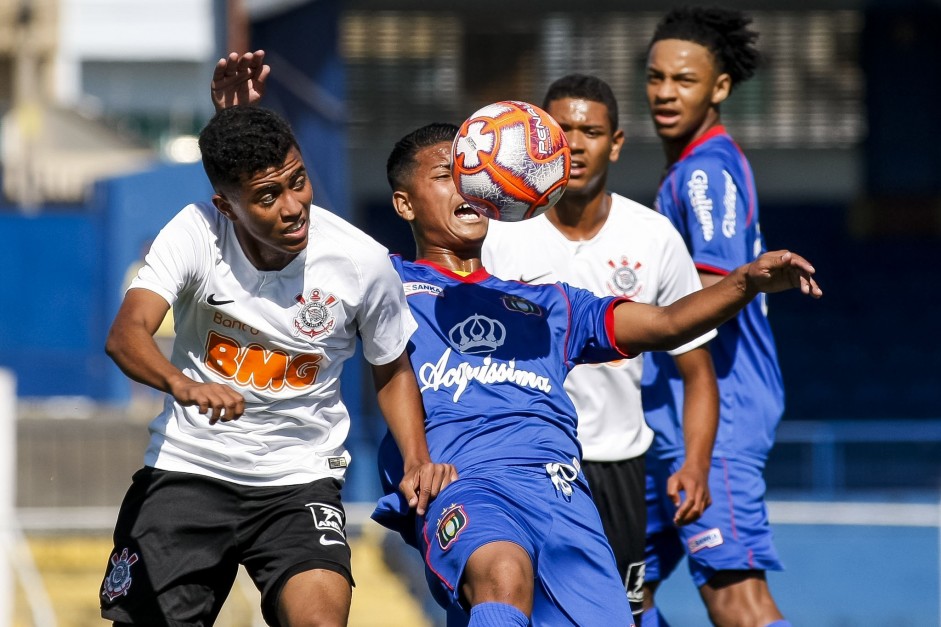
(510, 161)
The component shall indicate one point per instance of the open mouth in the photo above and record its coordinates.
(465, 212)
(296, 227)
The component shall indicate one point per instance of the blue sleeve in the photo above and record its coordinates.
(591, 331)
(708, 203)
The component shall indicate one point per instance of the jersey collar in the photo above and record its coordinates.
(718, 129)
(476, 276)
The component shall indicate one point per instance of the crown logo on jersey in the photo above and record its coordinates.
(315, 317)
(624, 280)
(477, 334)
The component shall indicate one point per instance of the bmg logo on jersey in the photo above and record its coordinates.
(257, 367)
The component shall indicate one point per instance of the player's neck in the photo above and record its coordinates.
(263, 258)
(580, 218)
(673, 149)
(450, 260)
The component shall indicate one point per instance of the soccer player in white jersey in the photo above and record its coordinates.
(613, 246)
(246, 460)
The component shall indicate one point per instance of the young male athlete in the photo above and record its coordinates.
(517, 537)
(695, 59)
(246, 460)
(613, 246)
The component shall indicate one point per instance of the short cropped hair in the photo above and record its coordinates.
(401, 164)
(241, 141)
(584, 87)
(724, 32)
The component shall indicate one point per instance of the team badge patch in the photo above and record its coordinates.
(118, 581)
(624, 280)
(450, 526)
(520, 304)
(705, 540)
(315, 317)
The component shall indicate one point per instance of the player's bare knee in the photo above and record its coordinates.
(499, 572)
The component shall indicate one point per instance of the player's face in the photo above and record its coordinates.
(594, 144)
(271, 213)
(684, 89)
(440, 218)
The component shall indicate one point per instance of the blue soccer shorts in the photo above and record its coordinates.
(733, 534)
(553, 520)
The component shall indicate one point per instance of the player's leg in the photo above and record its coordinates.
(498, 585)
(740, 598)
(731, 547)
(664, 549)
(293, 545)
(315, 597)
(617, 489)
(174, 558)
(478, 547)
(577, 581)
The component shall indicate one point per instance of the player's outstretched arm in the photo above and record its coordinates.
(639, 327)
(400, 402)
(688, 487)
(131, 345)
(239, 80)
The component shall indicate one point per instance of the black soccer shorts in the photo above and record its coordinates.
(617, 489)
(180, 538)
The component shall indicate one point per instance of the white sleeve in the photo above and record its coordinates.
(176, 256)
(385, 321)
(678, 278)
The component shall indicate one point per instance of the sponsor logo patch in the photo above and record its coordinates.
(698, 189)
(118, 581)
(328, 518)
(419, 287)
(336, 462)
(450, 525)
(705, 540)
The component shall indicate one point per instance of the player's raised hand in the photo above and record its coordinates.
(218, 401)
(782, 270)
(422, 483)
(239, 80)
(693, 484)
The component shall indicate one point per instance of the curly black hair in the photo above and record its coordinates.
(584, 87)
(241, 141)
(401, 163)
(723, 32)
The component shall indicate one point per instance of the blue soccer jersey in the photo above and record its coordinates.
(491, 356)
(709, 196)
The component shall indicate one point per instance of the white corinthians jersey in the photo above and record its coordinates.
(637, 254)
(279, 338)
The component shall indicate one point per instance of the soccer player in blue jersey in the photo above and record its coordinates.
(517, 537)
(695, 59)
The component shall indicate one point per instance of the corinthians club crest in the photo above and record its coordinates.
(624, 280)
(118, 581)
(315, 317)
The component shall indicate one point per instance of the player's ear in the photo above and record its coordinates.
(721, 89)
(223, 206)
(617, 142)
(403, 205)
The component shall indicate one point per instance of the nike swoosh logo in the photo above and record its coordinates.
(534, 278)
(325, 542)
(212, 301)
